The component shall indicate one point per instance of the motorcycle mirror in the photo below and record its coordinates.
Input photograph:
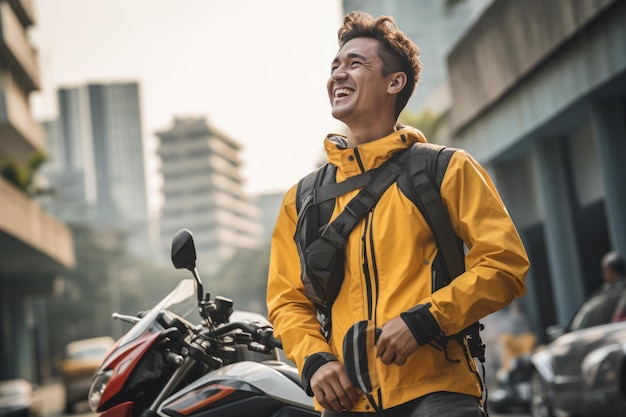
(184, 256)
(183, 250)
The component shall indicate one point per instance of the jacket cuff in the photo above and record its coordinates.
(422, 324)
(311, 364)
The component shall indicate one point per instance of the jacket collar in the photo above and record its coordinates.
(371, 154)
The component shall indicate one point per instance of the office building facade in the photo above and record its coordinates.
(98, 168)
(538, 95)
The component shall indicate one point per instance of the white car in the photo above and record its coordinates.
(18, 398)
(582, 371)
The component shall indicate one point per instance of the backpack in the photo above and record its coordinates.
(420, 181)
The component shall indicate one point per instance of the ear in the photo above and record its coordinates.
(397, 82)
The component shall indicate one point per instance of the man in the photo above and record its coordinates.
(389, 253)
(613, 270)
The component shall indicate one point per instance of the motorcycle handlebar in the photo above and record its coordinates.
(272, 341)
(262, 335)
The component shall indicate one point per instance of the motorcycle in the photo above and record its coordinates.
(190, 356)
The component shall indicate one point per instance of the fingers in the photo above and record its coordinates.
(395, 343)
(332, 388)
(393, 356)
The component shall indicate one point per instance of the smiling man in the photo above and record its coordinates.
(388, 262)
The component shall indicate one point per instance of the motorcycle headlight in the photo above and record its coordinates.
(98, 385)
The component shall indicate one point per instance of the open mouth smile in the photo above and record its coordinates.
(343, 92)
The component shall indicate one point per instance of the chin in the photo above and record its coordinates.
(340, 114)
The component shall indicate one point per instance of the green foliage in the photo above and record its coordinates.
(425, 121)
(244, 279)
(105, 280)
(83, 309)
(22, 175)
(154, 283)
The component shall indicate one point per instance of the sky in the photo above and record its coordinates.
(256, 70)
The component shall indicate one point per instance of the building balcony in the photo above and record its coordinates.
(20, 134)
(34, 246)
(16, 50)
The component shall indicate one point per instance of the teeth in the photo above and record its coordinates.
(343, 92)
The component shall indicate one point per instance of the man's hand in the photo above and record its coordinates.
(332, 388)
(395, 343)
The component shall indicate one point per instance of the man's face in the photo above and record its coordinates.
(357, 88)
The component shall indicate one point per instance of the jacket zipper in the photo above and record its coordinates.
(358, 160)
(366, 270)
(376, 286)
(374, 267)
(368, 234)
(372, 285)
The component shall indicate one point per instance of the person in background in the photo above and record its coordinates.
(613, 270)
(389, 253)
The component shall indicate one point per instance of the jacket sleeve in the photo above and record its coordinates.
(292, 314)
(496, 262)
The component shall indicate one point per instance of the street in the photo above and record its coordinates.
(53, 401)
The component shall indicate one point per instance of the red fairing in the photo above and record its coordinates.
(123, 361)
(120, 410)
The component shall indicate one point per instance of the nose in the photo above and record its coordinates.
(338, 74)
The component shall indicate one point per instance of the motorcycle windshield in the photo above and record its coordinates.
(182, 301)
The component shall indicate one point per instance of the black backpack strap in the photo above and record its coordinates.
(323, 175)
(331, 191)
(321, 187)
(315, 214)
(339, 229)
(437, 214)
(426, 166)
(315, 201)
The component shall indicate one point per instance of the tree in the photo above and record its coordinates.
(244, 279)
(83, 310)
(427, 122)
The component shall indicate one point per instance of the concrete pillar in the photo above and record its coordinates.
(531, 303)
(561, 244)
(609, 131)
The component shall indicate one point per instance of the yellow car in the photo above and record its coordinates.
(82, 360)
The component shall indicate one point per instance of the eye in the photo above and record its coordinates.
(355, 63)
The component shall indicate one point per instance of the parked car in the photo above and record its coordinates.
(582, 371)
(18, 398)
(82, 360)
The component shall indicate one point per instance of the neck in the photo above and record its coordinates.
(358, 135)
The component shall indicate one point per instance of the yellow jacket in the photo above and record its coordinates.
(397, 247)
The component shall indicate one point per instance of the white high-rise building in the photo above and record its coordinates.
(97, 169)
(203, 192)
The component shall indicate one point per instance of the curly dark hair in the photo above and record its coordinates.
(397, 52)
